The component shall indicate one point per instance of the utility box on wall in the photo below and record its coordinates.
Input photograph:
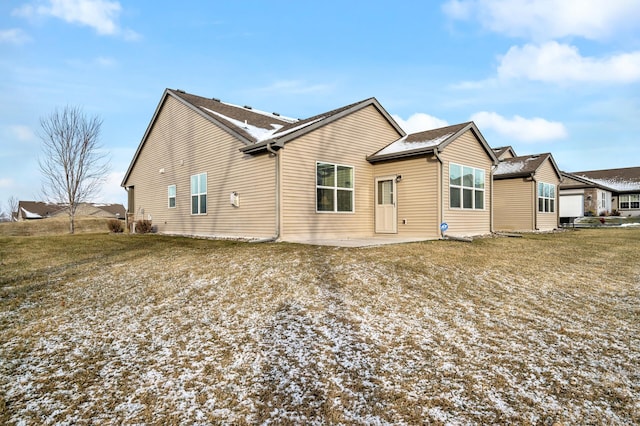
(234, 198)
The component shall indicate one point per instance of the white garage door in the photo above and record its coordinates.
(572, 205)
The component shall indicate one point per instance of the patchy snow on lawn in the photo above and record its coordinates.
(326, 336)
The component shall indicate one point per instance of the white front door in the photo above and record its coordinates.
(386, 212)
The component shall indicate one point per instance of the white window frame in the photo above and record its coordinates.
(462, 187)
(628, 199)
(335, 188)
(170, 196)
(198, 192)
(548, 201)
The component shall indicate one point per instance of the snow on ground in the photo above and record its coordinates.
(326, 335)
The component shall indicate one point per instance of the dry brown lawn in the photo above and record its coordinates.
(147, 329)
(53, 226)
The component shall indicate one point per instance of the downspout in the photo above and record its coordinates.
(440, 191)
(493, 168)
(535, 202)
(277, 158)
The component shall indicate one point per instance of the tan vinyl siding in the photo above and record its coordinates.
(512, 204)
(467, 151)
(570, 182)
(417, 195)
(506, 155)
(546, 173)
(346, 141)
(182, 143)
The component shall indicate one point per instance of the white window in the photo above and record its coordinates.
(199, 194)
(334, 188)
(171, 194)
(546, 197)
(466, 187)
(630, 201)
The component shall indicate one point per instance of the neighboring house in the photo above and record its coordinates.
(525, 192)
(600, 192)
(29, 210)
(205, 167)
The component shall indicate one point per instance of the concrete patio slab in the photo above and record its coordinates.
(356, 242)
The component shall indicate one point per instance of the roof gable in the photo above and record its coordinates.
(301, 127)
(429, 141)
(526, 165)
(504, 152)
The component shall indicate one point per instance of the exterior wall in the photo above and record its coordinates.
(512, 204)
(505, 155)
(591, 201)
(417, 195)
(181, 144)
(467, 151)
(346, 141)
(547, 221)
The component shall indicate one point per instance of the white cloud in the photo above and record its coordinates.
(22, 133)
(548, 19)
(519, 128)
(6, 183)
(111, 191)
(419, 122)
(101, 15)
(13, 36)
(558, 63)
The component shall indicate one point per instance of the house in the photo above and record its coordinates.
(210, 168)
(30, 210)
(525, 191)
(600, 192)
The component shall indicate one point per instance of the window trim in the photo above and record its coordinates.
(462, 187)
(199, 194)
(169, 196)
(628, 201)
(552, 199)
(336, 188)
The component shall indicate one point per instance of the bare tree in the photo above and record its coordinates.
(73, 163)
(12, 205)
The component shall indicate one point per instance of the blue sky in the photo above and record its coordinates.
(559, 76)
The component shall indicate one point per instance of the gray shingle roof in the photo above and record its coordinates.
(620, 180)
(417, 143)
(525, 165)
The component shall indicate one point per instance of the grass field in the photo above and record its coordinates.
(147, 329)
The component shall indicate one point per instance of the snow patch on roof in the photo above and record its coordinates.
(258, 133)
(511, 167)
(293, 129)
(29, 215)
(402, 145)
(265, 113)
(615, 184)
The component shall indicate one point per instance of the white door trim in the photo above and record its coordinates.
(386, 206)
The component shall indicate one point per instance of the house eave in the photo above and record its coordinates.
(262, 147)
(512, 176)
(401, 155)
